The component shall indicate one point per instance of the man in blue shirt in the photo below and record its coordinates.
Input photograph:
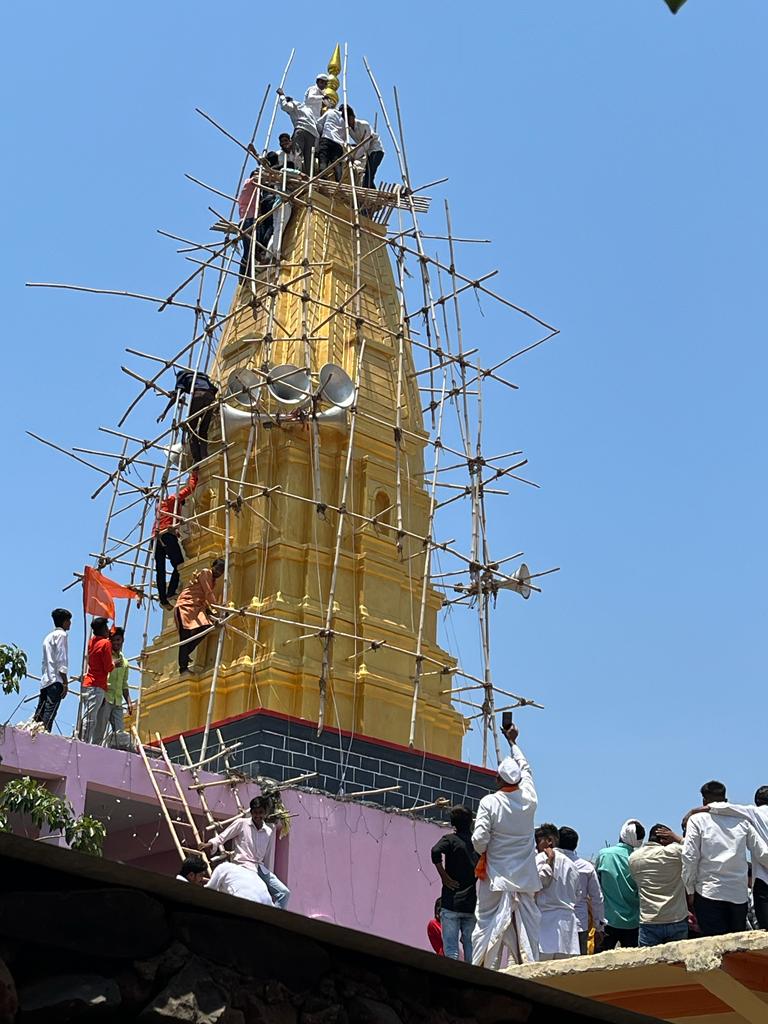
(622, 901)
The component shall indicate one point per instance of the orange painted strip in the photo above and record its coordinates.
(751, 969)
(675, 1001)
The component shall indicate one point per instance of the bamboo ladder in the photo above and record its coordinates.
(166, 770)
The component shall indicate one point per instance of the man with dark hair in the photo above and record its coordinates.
(435, 931)
(253, 847)
(166, 534)
(332, 127)
(193, 613)
(94, 688)
(657, 870)
(304, 130)
(722, 814)
(54, 675)
(117, 693)
(458, 877)
(590, 895)
(237, 880)
(622, 902)
(559, 933)
(199, 413)
(192, 870)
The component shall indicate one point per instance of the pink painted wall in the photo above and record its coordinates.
(360, 867)
(352, 865)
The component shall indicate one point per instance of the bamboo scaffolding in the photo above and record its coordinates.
(453, 382)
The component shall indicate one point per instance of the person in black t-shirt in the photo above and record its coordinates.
(455, 859)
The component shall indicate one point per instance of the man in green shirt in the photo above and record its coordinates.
(622, 901)
(117, 692)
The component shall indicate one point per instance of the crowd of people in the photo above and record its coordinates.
(105, 691)
(515, 890)
(324, 139)
(510, 888)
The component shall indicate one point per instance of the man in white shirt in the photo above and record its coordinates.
(305, 134)
(559, 932)
(373, 151)
(237, 880)
(332, 127)
(192, 870)
(506, 912)
(715, 865)
(757, 815)
(315, 97)
(54, 677)
(253, 847)
(657, 869)
(590, 896)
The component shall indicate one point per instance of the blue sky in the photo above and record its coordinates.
(615, 156)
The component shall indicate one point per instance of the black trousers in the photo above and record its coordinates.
(760, 897)
(327, 152)
(197, 427)
(192, 638)
(371, 166)
(716, 917)
(167, 546)
(48, 705)
(247, 226)
(306, 143)
(625, 937)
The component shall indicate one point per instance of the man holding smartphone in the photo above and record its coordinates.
(507, 915)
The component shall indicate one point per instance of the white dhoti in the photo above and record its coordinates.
(504, 919)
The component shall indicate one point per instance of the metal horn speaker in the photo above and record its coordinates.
(243, 387)
(520, 582)
(336, 386)
(289, 384)
(234, 418)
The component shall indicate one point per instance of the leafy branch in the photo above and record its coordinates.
(30, 797)
(13, 667)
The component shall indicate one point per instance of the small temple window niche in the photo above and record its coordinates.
(382, 510)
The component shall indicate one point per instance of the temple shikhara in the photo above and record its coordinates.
(299, 537)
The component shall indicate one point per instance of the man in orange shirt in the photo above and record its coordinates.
(167, 544)
(193, 612)
(94, 688)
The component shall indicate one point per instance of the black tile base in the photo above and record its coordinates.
(281, 748)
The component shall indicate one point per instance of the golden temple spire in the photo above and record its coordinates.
(334, 67)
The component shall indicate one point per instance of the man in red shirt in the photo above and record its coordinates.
(165, 532)
(94, 688)
(435, 931)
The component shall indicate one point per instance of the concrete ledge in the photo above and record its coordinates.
(693, 954)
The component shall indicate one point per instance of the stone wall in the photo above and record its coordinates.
(87, 939)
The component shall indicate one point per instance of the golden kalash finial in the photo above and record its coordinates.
(331, 91)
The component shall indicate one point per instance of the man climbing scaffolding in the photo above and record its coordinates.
(194, 613)
(167, 544)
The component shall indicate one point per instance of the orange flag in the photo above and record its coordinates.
(99, 591)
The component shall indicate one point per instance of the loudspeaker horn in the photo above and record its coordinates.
(520, 582)
(336, 386)
(243, 387)
(289, 384)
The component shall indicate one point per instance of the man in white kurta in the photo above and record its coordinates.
(559, 932)
(237, 880)
(507, 915)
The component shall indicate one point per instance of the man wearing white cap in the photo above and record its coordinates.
(622, 900)
(507, 915)
(314, 97)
